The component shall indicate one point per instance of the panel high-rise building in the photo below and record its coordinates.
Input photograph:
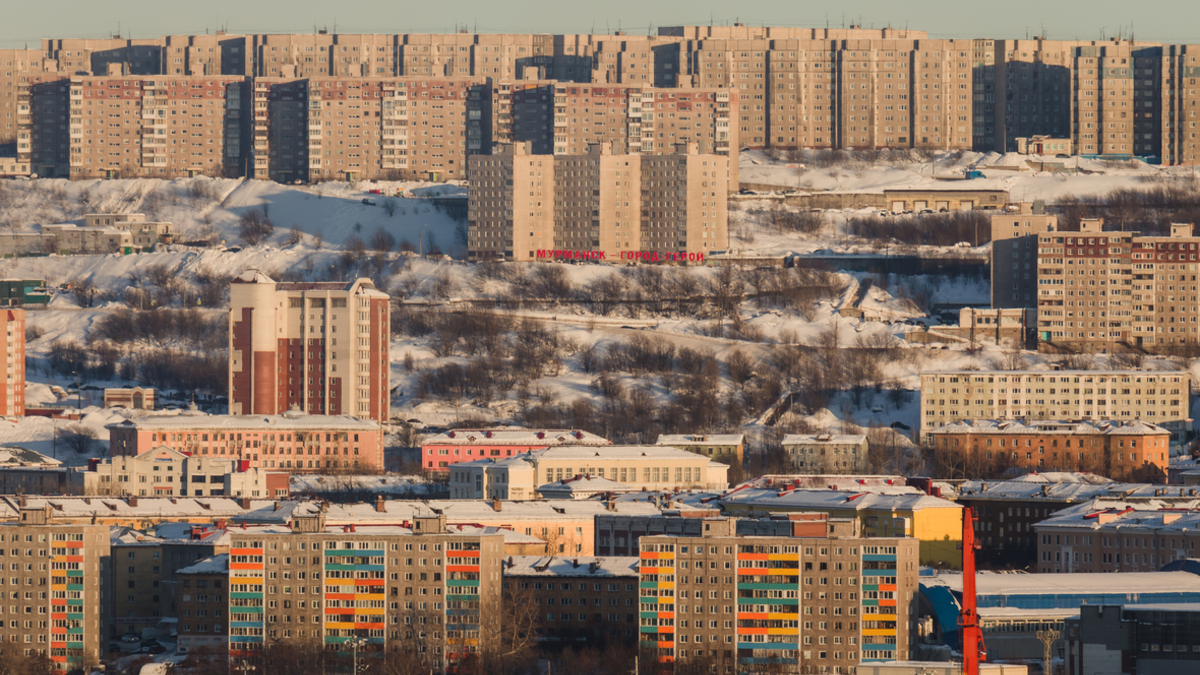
(321, 347)
(525, 207)
(821, 600)
(12, 400)
(1015, 255)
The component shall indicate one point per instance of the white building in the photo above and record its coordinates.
(638, 466)
(164, 472)
(826, 453)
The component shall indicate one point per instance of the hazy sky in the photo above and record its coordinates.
(1160, 20)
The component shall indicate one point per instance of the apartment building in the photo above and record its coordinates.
(813, 602)
(1121, 450)
(203, 619)
(1146, 310)
(446, 449)
(1118, 538)
(163, 472)
(566, 118)
(580, 600)
(1014, 255)
(626, 207)
(650, 466)
(826, 454)
(12, 404)
(1161, 398)
(618, 535)
(156, 126)
(65, 612)
(1008, 511)
(1150, 638)
(284, 350)
(714, 446)
(378, 584)
(291, 442)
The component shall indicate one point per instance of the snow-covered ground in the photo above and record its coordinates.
(331, 215)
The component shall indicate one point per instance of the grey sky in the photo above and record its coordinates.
(1175, 21)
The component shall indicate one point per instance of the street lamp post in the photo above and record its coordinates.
(355, 643)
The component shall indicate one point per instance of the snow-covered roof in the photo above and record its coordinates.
(700, 439)
(670, 500)
(1067, 428)
(585, 484)
(883, 484)
(592, 567)
(1057, 373)
(127, 536)
(1099, 514)
(1070, 583)
(823, 439)
(217, 564)
(293, 419)
(1066, 487)
(456, 511)
(835, 499)
(516, 436)
(14, 455)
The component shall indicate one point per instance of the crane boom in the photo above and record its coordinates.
(973, 650)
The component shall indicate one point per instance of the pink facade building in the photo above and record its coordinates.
(292, 442)
(466, 445)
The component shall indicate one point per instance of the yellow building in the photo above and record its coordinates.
(936, 522)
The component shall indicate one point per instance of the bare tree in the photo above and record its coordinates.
(84, 290)
(80, 439)
(254, 226)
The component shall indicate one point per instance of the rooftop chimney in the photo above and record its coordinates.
(244, 503)
(380, 505)
(496, 505)
(132, 501)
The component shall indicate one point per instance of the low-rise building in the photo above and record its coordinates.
(582, 487)
(580, 600)
(440, 452)
(1133, 639)
(293, 441)
(134, 398)
(651, 467)
(721, 447)
(1117, 536)
(1045, 145)
(1014, 328)
(164, 472)
(1133, 450)
(918, 199)
(827, 453)
(765, 602)
(942, 594)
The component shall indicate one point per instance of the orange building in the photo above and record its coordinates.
(1119, 450)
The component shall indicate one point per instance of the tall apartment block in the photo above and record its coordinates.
(1106, 292)
(64, 611)
(813, 602)
(157, 126)
(797, 87)
(621, 206)
(12, 403)
(1015, 255)
(566, 118)
(397, 588)
(320, 347)
(1158, 397)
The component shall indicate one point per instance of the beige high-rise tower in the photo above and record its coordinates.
(320, 346)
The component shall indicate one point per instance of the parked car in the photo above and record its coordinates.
(368, 202)
(154, 648)
(130, 638)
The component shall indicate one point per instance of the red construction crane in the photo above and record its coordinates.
(973, 650)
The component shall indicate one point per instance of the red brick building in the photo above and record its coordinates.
(1119, 450)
